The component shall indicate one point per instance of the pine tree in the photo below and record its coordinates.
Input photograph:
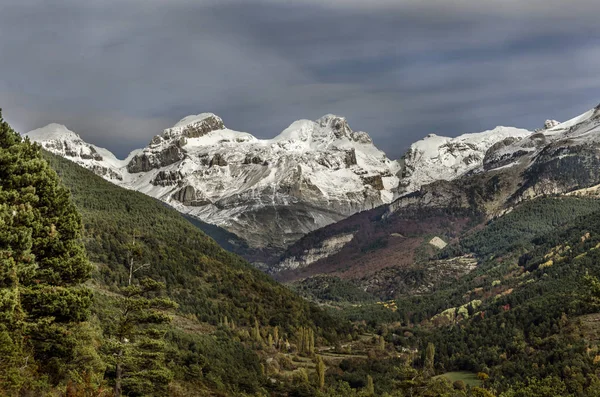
(42, 264)
(138, 343)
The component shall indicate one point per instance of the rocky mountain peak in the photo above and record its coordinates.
(337, 124)
(195, 126)
(53, 131)
(341, 129)
(58, 139)
(442, 158)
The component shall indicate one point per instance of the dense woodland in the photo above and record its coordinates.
(105, 291)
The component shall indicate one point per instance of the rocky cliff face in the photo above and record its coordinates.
(326, 248)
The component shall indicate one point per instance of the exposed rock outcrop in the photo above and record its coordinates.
(152, 159)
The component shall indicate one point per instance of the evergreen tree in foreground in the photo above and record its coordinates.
(137, 339)
(42, 267)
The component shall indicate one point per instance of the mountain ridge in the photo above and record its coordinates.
(562, 158)
(271, 192)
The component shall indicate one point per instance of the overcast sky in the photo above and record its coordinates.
(118, 72)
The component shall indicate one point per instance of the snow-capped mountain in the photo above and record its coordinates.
(436, 157)
(58, 139)
(561, 158)
(557, 159)
(269, 192)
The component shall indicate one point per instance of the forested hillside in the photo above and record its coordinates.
(526, 317)
(209, 284)
(107, 292)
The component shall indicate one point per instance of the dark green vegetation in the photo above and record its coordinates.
(516, 231)
(42, 268)
(521, 317)
(527, 325)
(207, 283)
(333, 289)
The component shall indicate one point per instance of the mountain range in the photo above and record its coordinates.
(378, 244)
(268, 193)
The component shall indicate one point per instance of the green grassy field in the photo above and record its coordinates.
(468, 377)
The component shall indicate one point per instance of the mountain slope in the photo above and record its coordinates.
(519, 314)
(180, 254)
(208, 283)
(560, 159)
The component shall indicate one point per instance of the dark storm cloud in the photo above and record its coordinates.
(118, 72)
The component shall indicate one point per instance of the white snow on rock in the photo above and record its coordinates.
(436, 157)
(583, 129)
(550, 124)
(271, 192)
(59, 140)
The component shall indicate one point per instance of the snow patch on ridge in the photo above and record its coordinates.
(442, 158)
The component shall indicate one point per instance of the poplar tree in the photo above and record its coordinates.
(42, 265)
(305, 340)
(256, 331)
(320, 373)
(276, 336)
(311, 341)
(428, 369)
(370, 389)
